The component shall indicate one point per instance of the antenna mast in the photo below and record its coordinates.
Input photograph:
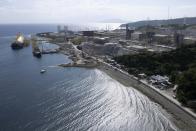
(168, 15)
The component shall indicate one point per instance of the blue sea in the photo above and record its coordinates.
(67, 99)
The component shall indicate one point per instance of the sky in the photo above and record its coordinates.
(88, 11)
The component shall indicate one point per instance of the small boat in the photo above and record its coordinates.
(18, 43)
(42, 71)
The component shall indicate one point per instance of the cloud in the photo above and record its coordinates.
(68, 11)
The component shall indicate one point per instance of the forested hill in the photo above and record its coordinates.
(189, 20)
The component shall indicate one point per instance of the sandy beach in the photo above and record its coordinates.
(182, 119)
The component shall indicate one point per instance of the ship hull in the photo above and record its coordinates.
(37, 54)
(17, 46)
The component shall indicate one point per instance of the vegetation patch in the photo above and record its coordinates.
(179, 65)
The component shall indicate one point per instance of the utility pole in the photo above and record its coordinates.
(168, 15)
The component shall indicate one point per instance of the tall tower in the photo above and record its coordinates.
(65, 28)
(58, 28)
(184, 22)
(178, 38)
(128, 32)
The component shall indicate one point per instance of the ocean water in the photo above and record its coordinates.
(12, 30)
(7, 30)
(67, 99)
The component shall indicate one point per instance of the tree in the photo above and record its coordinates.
(187, 86)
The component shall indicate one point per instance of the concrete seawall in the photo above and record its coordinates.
(179, 113)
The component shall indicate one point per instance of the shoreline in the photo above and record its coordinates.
(182, 118)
